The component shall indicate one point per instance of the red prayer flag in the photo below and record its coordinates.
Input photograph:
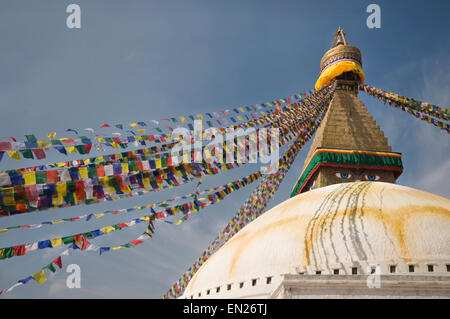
(117, 140)
(19, 250)
(88, 148)
(52, 176)
(78, 238)
(5, 146)
(101, 171)
(79, 190)
(85, 244)
(106, 125)
(38, 153)
(58, 262)
(136, 242)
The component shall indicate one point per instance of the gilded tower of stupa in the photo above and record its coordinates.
(349, 145)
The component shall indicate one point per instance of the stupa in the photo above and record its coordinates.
(348, 230)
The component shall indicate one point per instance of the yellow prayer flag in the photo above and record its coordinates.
(115, 145)
(200, 116)
(182, 119)
(99, 215)
(125, 168)
(242, 110)
(51, 136)
(133, 125)
(158, 162)
(56, 242)
(117, 247)
(142, 130)
(83, 172)
(14, 155)
(57, 221)
(58, 200)
(40, 277)
(178, 222)
(110, 189)
(71, 149)
(3, 230)
(61, 188)
(107, 229)
(43, 144)
(146, 182)
(100, 140)
(240, 118)
(30, 178)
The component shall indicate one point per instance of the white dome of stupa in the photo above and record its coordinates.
(338, 230)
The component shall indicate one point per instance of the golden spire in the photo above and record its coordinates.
(340, 37)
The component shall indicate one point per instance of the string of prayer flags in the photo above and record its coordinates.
(421, 110)
(213, 197)
(86, 143)
(227, 188)
(255, 204)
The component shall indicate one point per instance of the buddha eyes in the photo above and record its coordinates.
(365, 177)
(343, 175)
(372, 178)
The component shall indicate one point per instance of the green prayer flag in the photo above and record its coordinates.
(41, 177)
(31, 138)
(81, 149)
(9, 252)
(68, 240)
(56, 142)
(27, 153)
(92, 171)
(50, 267)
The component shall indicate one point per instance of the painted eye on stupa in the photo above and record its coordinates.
(372, 178)
(343, 175)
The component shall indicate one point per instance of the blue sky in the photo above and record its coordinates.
(136, 60)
